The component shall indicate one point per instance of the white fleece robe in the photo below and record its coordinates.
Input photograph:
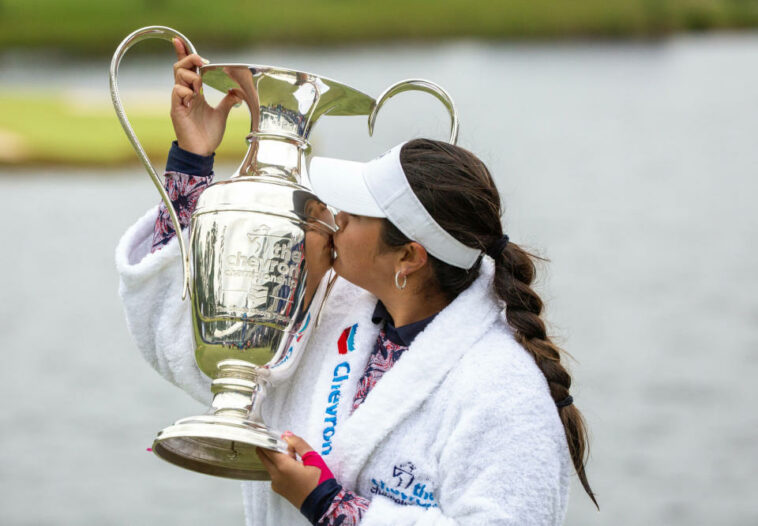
(462, 429)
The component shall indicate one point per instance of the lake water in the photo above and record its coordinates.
(631, 166)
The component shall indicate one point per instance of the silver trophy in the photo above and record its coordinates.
(259, 265)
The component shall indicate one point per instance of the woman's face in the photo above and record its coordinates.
(359, 258)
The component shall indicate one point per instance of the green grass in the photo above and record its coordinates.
(95, 28)
(45, 129)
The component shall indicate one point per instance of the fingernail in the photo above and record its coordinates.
(205, 61)
(287, 434)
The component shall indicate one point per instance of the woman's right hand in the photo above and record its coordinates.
(198, 126)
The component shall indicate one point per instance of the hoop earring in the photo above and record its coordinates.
(399, 285)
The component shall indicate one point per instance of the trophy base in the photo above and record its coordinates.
(217, 445)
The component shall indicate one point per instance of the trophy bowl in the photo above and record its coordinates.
(260, 255)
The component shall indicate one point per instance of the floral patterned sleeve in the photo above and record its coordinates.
(347, 509)
(187, 175)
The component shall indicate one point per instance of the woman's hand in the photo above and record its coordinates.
(289, 477)
(199, 127)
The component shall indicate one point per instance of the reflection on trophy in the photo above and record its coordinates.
(258, 268)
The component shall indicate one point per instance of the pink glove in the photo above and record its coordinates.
(311, 458)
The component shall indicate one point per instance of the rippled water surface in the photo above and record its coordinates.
(631, 166)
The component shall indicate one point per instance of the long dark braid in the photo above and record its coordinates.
(458, 191)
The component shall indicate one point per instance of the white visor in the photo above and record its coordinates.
(379, 188)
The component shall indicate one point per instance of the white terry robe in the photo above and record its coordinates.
(462, 429)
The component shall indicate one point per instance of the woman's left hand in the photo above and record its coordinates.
(289, 477)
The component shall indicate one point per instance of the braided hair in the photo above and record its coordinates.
(456, 188)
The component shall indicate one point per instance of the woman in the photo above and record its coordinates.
(440, 410)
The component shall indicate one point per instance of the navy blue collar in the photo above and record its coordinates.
(399, 335)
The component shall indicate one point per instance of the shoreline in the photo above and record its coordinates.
(70, 124)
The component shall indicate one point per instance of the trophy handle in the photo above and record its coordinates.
(165, 33)
(417, 85)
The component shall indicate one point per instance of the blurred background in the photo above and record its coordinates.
(621, 135)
